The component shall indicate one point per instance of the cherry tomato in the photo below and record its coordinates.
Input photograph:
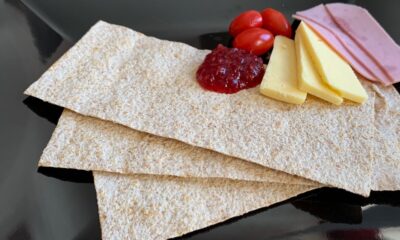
(255, 40)
(276, 22)
(245, 20)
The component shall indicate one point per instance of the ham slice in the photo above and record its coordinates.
(369, 35)
(320, 20)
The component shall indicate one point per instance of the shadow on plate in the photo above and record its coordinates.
(44, 109)
(71, 175)
(334, 195)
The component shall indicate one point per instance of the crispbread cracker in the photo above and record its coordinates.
(87, 143)
(160, 207)
(386, 175)
(168, 157)
(116, 74)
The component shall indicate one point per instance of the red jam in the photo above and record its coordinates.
(229, 70)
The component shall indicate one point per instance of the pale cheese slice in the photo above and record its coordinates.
(309, 79)
(280, 79)
(332, 68)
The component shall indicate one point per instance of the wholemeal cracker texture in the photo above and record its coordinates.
(161, 207)
(116, 74)
(91, 144)
(88, 143)
(386, 175)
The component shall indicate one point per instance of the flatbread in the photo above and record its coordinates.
(386, 175)
(160, 207)
(87, 143)
(116, 74)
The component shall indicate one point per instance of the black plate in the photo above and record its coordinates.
(61, 204)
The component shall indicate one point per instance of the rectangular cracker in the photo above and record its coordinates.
(116, 74)
(87, 143)
(161, 207)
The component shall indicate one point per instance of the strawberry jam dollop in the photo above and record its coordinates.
(229, 70)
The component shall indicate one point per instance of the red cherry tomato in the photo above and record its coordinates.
(276, 22)
(255, 40)
(245, 20)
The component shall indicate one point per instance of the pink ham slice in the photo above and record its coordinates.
(334, 43)
(343, 44)
(370, 36)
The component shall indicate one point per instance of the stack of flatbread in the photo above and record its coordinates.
(169, 158)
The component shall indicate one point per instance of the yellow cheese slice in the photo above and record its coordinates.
(280, 79)
(332, 68)
(309, 79)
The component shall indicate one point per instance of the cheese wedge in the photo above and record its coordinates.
(309, 79)
(332, 68)
(280, 79)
